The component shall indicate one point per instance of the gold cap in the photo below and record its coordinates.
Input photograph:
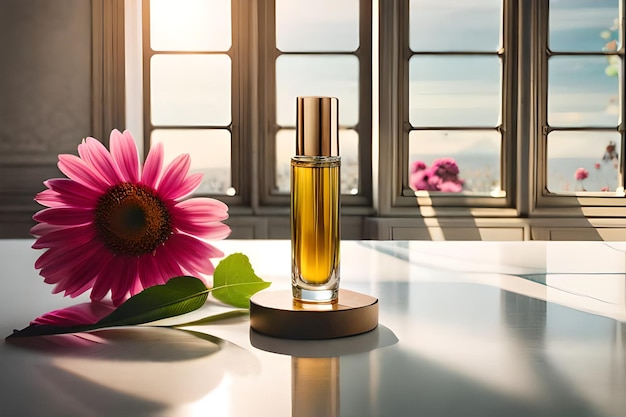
(317, 128)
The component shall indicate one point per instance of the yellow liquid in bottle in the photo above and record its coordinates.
(315, 219)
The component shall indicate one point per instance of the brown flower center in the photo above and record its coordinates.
(131, 219)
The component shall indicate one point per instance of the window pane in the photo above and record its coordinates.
(583, 161)
(321, 75)
(348, 149)
(453, 25)
(442, 95)
(190, 25)
(581, 92)
(191, 90)
(475, 153)
(584, 25)
(285, 149)
(210, 154)
(321, 25)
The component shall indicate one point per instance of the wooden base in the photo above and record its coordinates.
(277, 314)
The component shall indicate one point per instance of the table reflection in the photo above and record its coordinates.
(314, 387)
(316, 367)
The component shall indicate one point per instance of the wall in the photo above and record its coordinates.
(45, 98)
(61, 79)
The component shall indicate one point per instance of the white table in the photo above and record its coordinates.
(466, 329)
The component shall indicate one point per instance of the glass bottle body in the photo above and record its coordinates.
(315, 227)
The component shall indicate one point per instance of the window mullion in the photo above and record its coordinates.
(622, 95)
(524, 72)
(392, 101)
(365, 102)
(267, 99)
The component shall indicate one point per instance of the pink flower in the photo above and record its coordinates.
(596, 165)
(451, 186)
(581, 174)
(422, 180)
(112, 226)
(446, 168)
(441, 176)
(605, 188)
(417, 166)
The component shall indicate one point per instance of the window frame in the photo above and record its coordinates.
(550, 204)
(524, 121)
(239, 54)
(384, 118)
(355, 204)
(253, 55)
(395, 125)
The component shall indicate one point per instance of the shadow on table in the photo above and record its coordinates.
(127, 371)
(378, 338)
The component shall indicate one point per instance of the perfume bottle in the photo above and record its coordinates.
(315, 202)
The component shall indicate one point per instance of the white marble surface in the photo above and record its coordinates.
(466, 329)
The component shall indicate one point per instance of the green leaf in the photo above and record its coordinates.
(234, 281)
(178, 296)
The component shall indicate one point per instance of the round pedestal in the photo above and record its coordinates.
(277, 314)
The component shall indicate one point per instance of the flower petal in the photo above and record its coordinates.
(167, 263)
(50, 198)
(51, 256)
(59, 262)
(152, 167)
(201, 217)
(97, 155)
(74, 193)
(78, 170)
(69, 236)
(105, 278)
(212, 231)
(70, 216)
(189, 185)
(193, 254)
(63, 192)
(176, 266)
(150, 272)
(81, 277)
(125, 154)
(136, 287)
(41, 229)
(202, 209)
(174, 177)
(126, 270)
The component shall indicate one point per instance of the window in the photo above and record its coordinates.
(221, 79)
(524, 97)
(455, 100)
(191, 87)
(318, 48)
(582, 102)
